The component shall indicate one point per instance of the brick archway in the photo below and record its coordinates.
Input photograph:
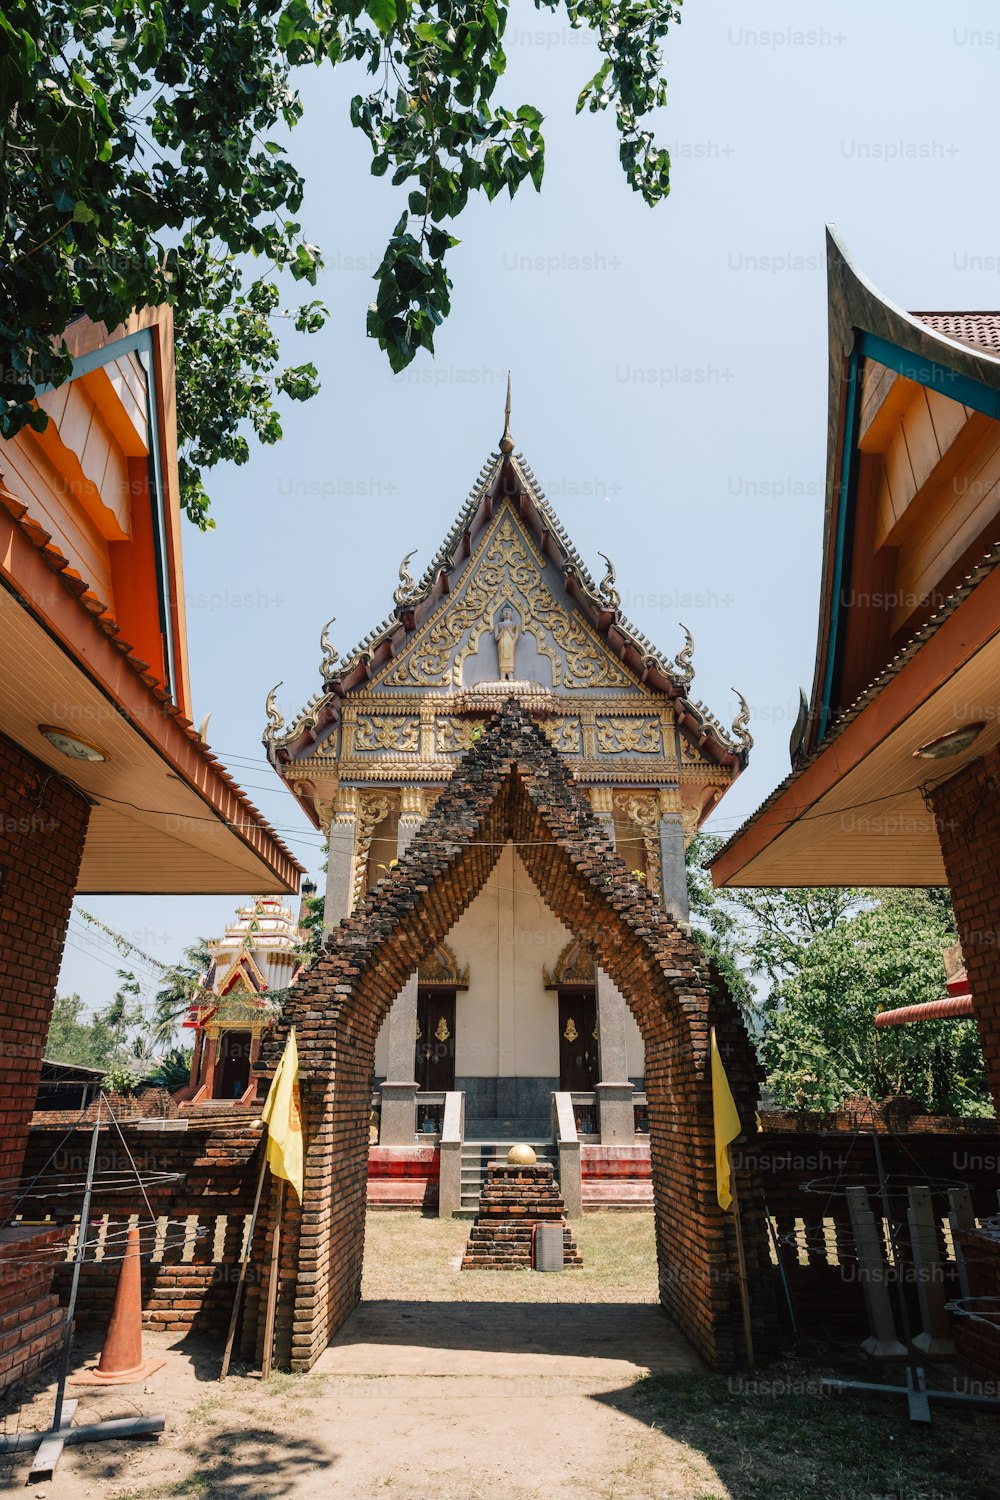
(512, 786)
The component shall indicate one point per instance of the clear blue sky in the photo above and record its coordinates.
(669, 369)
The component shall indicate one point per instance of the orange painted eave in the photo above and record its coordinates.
(53, 603)
(972, 625)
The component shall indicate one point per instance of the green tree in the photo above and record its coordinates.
(141, 163)
(71, 1038)
(715, 925)
(178, 987)
(113, 1036)
(820, 1042)
(173, 1070)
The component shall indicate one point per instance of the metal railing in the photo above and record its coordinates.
(585, 1115)
(430, 1113)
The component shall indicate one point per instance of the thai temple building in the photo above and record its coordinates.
(250, 967)
(511, 1009)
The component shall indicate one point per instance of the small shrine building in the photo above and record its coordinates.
(511, 1008)
(250, 968)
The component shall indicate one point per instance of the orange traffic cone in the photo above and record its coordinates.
(121, 1358)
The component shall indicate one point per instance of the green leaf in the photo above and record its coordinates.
(383, 13)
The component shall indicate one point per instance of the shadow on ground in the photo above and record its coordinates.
(254, 1460)
(638, 1334)
(776, 1437)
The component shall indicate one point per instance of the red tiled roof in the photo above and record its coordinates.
(980, 329)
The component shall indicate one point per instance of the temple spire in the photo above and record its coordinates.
(507, 442)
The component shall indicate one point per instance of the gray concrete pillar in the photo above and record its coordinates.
(398, 1124)
(568, 1146)
(452, 1135)
(616, 1114)
(873, 1275)
(673, 868)
(340, 860)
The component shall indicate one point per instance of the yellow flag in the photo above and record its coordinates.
(727, 1124)
(283, 1118)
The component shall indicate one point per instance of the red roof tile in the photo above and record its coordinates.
(980, 329)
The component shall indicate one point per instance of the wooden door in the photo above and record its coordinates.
(434, 1067)
(232, 1076)
(578, 1070)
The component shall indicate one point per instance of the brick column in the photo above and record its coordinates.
(399, 1092)
(967, 812)
(43, 824)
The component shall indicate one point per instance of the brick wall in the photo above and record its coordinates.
(513, 785)
(200, 1181)
(967, 810)
(803, 1175)
(43, 822)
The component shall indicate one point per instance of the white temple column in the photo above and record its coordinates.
(614, 1091)
(340, 859)
(399, 1091)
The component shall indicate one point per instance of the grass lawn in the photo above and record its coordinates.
(408, 1258)
(778, 1439)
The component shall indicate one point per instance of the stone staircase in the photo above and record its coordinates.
(477, 1155)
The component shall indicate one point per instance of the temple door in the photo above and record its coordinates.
(232, 1071)
(577, 1041)
(435, 1056)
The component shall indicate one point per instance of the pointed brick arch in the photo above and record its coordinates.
(512, 785)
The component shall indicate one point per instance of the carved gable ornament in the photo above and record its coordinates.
(440, 967)
(504, 593)
(574, 967)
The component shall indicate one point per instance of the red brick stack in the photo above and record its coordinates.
(514, 1200)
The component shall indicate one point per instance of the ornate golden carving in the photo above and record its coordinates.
(571, 1032)
(454, 736)
(373, 809)
(507, 568)
(441, 967)
(411, 802)
(395, 733)
(642, 809)
(441, 1030)
(565, 734)
(670, 799)
(573, 966)
(641, 735)
(602, 799)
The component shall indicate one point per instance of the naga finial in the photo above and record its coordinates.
(406, 591)
(684, 665)
(331, 656)
(507, 442)
(741, 730)
(607, 590)
(275, 719)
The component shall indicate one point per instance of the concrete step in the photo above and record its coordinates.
(508, 1128)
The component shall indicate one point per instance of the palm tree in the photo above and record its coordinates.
(181, 983)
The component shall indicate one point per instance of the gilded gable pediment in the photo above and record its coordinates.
(506, 587)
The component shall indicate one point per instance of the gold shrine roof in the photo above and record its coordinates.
(507, 479)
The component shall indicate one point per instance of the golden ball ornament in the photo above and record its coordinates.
(521, 1156)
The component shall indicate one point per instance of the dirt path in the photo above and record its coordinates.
(521, 1388)
(481, 1385)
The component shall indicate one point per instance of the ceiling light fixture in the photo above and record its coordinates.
(952, 743)
(71, 744)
